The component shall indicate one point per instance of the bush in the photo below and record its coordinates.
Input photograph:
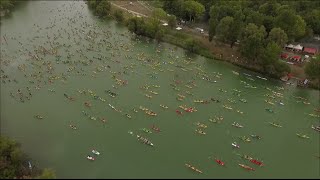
(118, 14)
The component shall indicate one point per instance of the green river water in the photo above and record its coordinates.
(50, 142)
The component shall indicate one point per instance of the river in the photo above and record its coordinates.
(85, 56)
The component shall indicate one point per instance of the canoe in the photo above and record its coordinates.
(302, 136)
(246, 167)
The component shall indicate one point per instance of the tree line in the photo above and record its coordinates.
(14, 163)
(261, 28)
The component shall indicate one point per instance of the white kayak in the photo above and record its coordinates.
(95, 152)
(90, 158)
(234, 144)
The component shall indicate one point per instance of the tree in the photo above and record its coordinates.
(191, 45)
(192, 9)
(173, 7)
(292, 24)
(252, 41)
(224, 28)
(270, 54)
(118, 14)
(269, 8)
(312, 19)
(278, 36)
(159, 14)
(312, 68)
(172, 21)
(103, 8)
(212, 28)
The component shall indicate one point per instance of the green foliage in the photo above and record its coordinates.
(312, 19)
(224, 28)
(159, 14)
(118, 14)
(292, 24)
(13, 161)
(192, 9)
(253, 40)
(172, 21)
(191, 45)
(102, 8)
(278, 36)
(312, 69)
(47, 174)
(173, 7)
(7, 4)
(146, 27)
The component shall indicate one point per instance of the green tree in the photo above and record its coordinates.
(312, 19)
(173, 7)
(224, 28)
(103, 8)
(312, 68)
(192, 45)
(172, 21)
(269, 8)
(192, 9)
(278, 36)
(253, 39)
(292, 24)
(118, 14)
(213, 23)
(270, 54)
(159, 14)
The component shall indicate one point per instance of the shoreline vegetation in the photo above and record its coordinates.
(6, 6)
(14, 164)
(260, 46)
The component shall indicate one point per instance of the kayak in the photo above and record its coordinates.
(144, 140)
(302, 136)
(255, 136)
(200, 132)
(155, 128)
(274, 124)
(269, 110)
(90, 158)
(237, 125)
(146, 130)
(234, 144)
(95, 152)
(316, 128)
(246, 167)
(259, 163)
(193, 168)
(219, 162)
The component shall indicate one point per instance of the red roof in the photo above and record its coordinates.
(310, 50)
(284, 55)
(296, 57)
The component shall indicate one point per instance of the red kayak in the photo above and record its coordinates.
(259, 163)
(219, 162)
(178, 112)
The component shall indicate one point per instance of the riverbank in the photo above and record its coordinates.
(214, 50)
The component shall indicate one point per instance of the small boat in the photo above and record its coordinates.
(128, 116)
(73, 127)
(30, 166)
(178, 112)
(254, 161)
(243, 100)
(255, 136)
(163, 106)
(146, 130)
(234, 144)
(95, 152)
(275, 124)
(38, 117)
(316, 128)
(245, 139)
(144, 140)
(90, 158)
(155, 128)
(219, 162)
(193, 168)
(199, 131)
(269, 110)
(246, 167)
(302, 136)
(237, 125)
